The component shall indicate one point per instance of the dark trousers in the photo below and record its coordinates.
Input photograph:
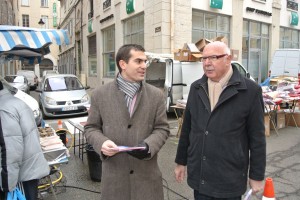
(199, 196)
(31, 189)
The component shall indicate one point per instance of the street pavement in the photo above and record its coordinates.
(283, 165)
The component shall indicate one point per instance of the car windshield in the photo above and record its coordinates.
(14, 79)
(62, 84)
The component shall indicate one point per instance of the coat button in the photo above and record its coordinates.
(129, 126)
(206, 132)
(204, 158)
(131, 172)
(202, 182)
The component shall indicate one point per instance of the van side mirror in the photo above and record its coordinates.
(87, 87)
(248, 75)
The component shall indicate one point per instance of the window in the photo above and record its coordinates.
(109, 52)
(92, 56)
(25, 2)
(44, 3)
(210, 26)
(255, 49)
(46, 21)
(134, 30)
(289, 38)
(25, 20)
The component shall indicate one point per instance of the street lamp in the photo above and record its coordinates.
(41, 22)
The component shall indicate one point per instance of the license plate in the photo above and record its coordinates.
(70, 108)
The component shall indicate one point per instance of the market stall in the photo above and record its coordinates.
(282, 97)
(28, 44)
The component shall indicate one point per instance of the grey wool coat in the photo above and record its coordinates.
(124, 176)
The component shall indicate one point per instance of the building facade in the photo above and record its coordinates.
(255, 28)
(42, 14)
(8, 16)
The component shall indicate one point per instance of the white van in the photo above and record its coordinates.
(174, 78)
(285, 62)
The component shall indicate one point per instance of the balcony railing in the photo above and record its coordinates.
(292, 5)
(106, 4)
(91, 14)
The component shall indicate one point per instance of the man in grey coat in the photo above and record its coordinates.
(128, 112)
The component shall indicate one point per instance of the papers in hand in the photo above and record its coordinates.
(126, 148)
(248, 195)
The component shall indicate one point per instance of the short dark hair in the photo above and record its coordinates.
(124, 53)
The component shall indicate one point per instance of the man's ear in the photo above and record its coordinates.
(122, 64)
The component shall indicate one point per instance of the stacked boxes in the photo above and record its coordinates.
(191, 52)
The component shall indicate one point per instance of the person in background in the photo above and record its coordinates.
(222, 137)
(128, 112)
(21, 157)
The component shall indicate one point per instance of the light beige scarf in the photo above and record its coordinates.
(215, 88)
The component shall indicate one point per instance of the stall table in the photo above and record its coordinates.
(78, 125)
(179, 112)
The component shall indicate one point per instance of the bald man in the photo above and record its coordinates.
(222, 141)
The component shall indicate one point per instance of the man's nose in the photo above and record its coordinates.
(143, 65)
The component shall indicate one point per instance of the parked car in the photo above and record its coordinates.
(30, 101)
(31, 77)
(62, 95)
(19, 82)
(45, 72)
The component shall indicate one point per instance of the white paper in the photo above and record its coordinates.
(126, 148)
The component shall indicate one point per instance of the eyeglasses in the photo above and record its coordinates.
(212, 58)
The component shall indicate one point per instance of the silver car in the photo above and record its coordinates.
(62, 95)
(19, 82)
(30, 101)
(31, 77)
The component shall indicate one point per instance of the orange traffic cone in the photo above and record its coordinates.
(59, 124)
(269, 193)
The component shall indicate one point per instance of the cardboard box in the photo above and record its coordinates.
(290, 121)
(279, 120)
(267, 125)
(221, 39)
(189, 52)
(202, 43)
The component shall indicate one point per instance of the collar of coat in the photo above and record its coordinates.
(236, 79)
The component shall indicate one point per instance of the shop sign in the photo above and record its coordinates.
(294, 18)
(218, 4)
(90, 25)
(107, 18)
(262, 12)
(130, 6)
(54, 15)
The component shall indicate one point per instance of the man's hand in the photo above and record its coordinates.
(141, 153)
(180, 173)
(256, 186)
(109, 148)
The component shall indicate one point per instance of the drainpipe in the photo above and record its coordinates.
(172, 25)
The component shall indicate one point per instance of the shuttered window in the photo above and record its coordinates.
(92, 55)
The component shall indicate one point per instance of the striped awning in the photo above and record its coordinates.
(28, 43)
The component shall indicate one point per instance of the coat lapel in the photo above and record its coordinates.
(120, 102)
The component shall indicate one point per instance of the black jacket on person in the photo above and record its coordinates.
(220, 147)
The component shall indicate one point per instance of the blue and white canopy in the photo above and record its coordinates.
(28, 43)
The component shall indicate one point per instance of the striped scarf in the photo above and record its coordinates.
(129, 88)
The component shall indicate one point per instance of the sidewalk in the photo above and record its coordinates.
(282, 165)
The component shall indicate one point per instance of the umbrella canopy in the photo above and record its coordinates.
(24, 43)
